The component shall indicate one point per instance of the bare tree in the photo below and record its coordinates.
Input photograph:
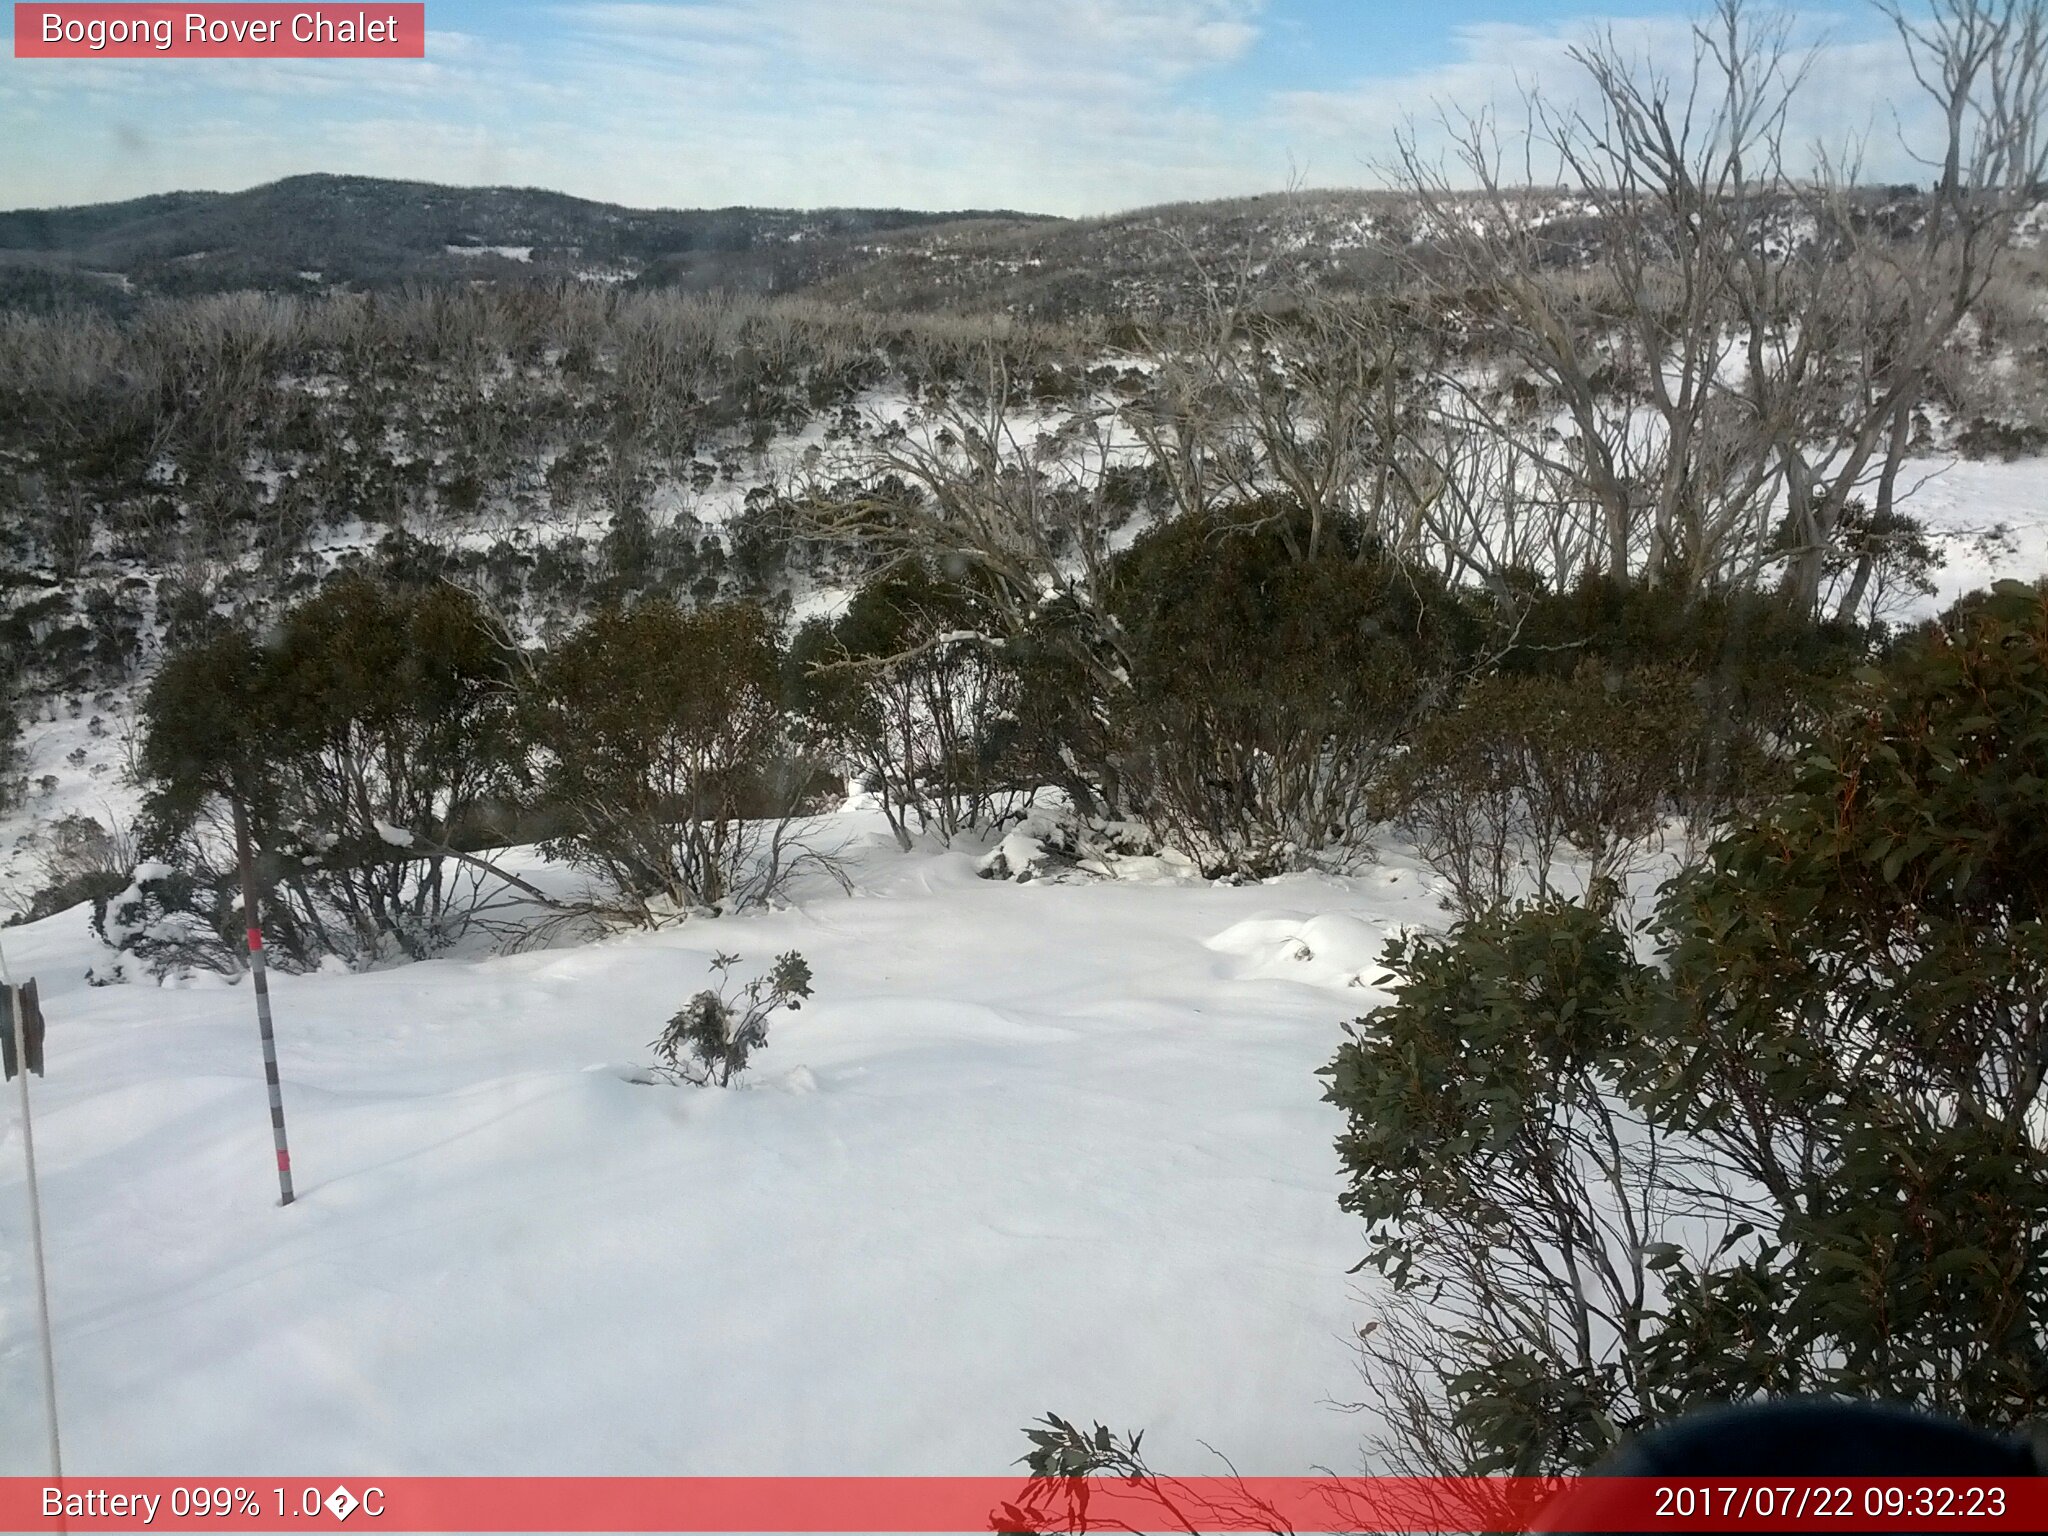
(1736, 363)
(1983, 64)
(986, 487)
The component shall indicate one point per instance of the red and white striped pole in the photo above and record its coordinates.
(260, 977)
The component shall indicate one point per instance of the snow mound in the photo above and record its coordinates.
(1057, 845)
(1330, 949)
(1020, 857)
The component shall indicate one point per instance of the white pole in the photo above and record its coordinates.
(35, 1219)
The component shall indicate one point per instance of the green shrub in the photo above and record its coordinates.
(1525, 770)
(713, 1037)
(367, 744)
(1484, 1106)
(1761, 671)
(662, 755)
(1802, 1152)
(1269, 691)
(1064, 729)
(915, 695)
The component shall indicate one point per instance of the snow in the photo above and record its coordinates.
(1014, 858)
(1963, 499)
(76, 755)
(1339, 949)
(397, 837)
(509, 252)
(1030, 1147)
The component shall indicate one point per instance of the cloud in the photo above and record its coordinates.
(1857, 102)
(1047, 50)
(1059, 106)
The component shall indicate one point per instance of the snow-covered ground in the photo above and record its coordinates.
(1049, 1146)
(1031, 1147)
(1962, 499)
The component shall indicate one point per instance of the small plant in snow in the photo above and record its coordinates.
(1061, 1449)
(1076, 1472)
(710, 1039)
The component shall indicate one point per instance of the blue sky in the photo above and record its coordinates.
(1060, 106)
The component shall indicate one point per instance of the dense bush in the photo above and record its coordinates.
(1270, 690)
(661, 756)
(916, 697)
(1801, 1153)
(1759, 669)
(1064, 727)
(387, 737)
(1616, 716)
(1525, 771)
(365, 743)
(1869, 963)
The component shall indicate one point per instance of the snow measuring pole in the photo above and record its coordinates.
(24, 1057)
(261, 980)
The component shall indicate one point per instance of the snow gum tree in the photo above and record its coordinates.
(1725, 389)
(1014, 503)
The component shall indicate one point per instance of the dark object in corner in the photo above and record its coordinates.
(1801, 1437)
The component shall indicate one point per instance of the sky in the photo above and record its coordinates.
(1074, 107)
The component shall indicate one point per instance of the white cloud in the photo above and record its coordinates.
(1857, 97)
(1052, 48)
(1060, 105)
(1063, 106)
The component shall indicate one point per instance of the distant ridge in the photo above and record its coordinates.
(322, 231)
(315, 234)
(310, 235)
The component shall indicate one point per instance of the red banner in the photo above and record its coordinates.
(977, 1504)
(216, 31)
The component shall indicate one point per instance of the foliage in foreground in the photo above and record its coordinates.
(1799, 1152)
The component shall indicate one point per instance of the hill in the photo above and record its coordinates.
(312, 232)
